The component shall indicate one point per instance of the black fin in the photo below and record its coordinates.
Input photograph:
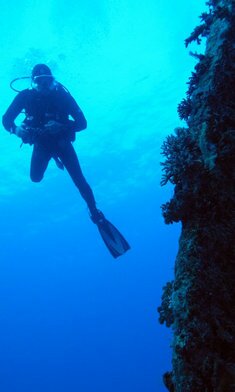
(113, 239)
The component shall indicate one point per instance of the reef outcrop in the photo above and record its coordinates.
(199, 305)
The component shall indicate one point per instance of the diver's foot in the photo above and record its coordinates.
(97, 216)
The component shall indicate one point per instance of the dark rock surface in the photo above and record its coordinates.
(199, 304)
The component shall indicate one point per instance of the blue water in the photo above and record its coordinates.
(71, 317)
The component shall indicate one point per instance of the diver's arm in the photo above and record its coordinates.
(74, 110)
(13, 111)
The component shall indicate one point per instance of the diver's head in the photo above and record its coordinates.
(42, 79)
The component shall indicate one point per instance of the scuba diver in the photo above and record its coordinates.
(48, 108)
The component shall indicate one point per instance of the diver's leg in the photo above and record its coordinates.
(69, 159)
(39, 162)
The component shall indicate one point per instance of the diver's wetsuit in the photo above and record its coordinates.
(39, 109)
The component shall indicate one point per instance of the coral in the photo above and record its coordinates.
(202, 30)
(207, 148)
(197, 56)
(165, 310)
(200, 68)
(184, 109)
(182, 155)
(167, 379)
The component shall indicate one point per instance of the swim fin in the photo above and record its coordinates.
(113, 239)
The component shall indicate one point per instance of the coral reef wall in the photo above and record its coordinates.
(199, 305)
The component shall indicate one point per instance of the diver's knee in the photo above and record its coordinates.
(36, 178)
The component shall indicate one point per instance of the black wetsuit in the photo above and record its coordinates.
(58, 105)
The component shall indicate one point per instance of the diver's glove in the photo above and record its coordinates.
(54, 128)
(24, 133)
(29, 135)
(21, 131)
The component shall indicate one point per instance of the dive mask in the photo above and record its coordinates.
(43, 82)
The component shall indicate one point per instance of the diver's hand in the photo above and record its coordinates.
(21, 132)
(26, 134)
(54, 127)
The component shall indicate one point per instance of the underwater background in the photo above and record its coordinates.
(71, 317)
